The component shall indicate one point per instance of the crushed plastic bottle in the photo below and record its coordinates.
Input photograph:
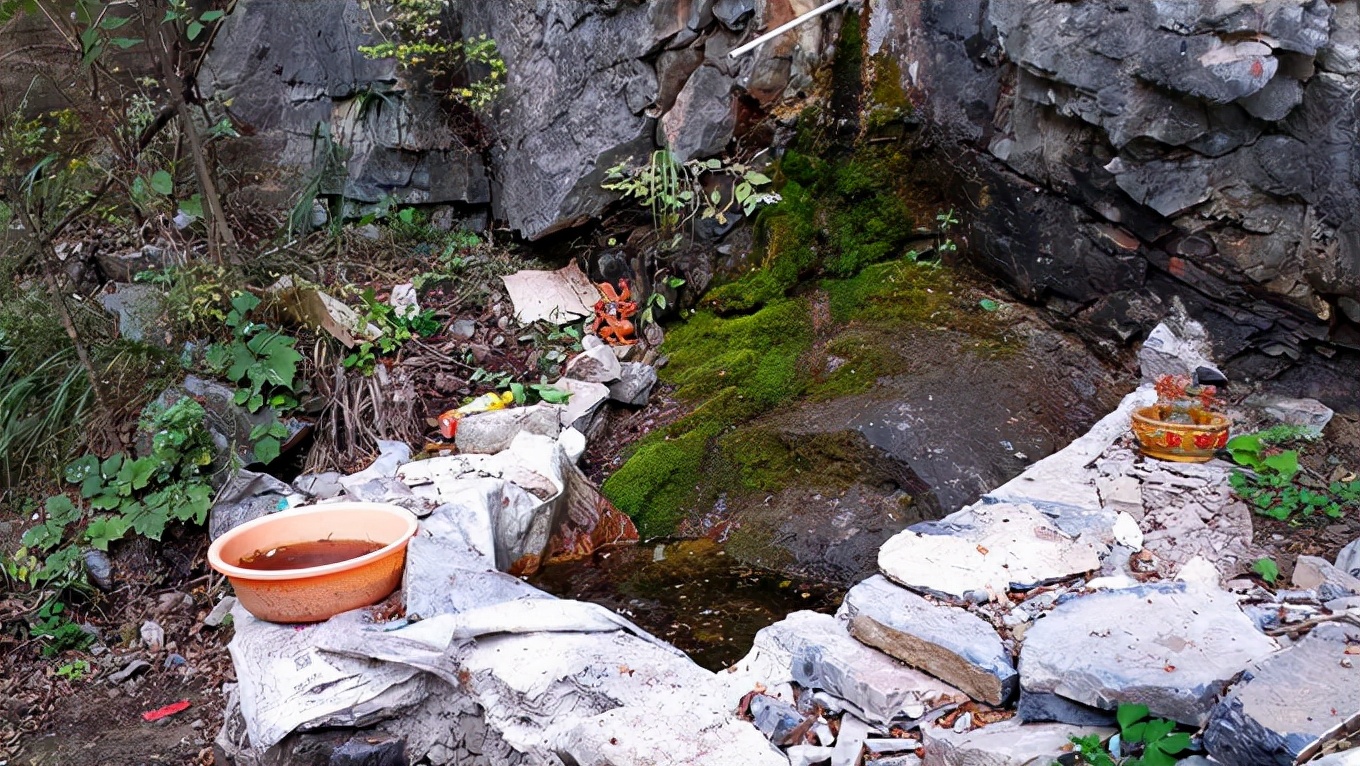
(448, 422)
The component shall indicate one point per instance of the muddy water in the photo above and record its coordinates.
(690, 593)
(311, 554)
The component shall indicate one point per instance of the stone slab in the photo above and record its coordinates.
(1287, 701)
(1008, 743)
(986, 550)
(820, 654)
(950, 643)
(1167, 646)
(490, 432)
(1330, 582)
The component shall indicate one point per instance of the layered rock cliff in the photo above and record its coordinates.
(1121, 154)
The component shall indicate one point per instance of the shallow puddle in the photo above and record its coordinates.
(690, 593)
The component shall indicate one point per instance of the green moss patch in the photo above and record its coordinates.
(734, 368)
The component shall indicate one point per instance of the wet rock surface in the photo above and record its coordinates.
(914, 447)
(1108, 136)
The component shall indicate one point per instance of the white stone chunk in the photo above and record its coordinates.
(986, 550)
(1165, 646)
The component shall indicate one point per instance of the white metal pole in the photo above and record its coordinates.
(781, 29)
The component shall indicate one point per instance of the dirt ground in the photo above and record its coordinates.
(85, 719)
(1334, 456)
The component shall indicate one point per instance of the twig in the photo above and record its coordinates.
(1351, 616)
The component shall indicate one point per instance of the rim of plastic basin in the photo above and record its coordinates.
(231, 570)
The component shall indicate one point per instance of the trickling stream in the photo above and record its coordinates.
(690, 593)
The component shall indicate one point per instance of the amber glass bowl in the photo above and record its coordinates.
(321, 592)
(1194, 442)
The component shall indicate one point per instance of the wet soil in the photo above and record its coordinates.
(1336, 456)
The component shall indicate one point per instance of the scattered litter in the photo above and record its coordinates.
(613, 315)
(313, 308)
(404, 301)
(1127, 533)
(448, 421)
(561, 296)
(130, 670)
(153, 635)
(166, 712)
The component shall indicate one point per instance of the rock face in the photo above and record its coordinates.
(293, 76)
(1129, 153)
(1289, 700)
(586, 86)
(947, 642)
(1163, 646)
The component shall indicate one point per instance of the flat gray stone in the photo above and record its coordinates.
(586, 399)
(1008, 743)
(822, 655)
(1287, 701)
(138, 308)
(1348, 560)
(986, 550)
(1330, 582)
(594, 365)
(634, 386)
(219, 613)
(950, 643)
(1165, 646)
(775, 718)
(319, 486)
(487, 433)
(1309, 413)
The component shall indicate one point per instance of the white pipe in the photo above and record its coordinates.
(781, 29)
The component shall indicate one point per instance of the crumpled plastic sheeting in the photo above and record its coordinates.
(551, 680)
(498, 672)
(522, 521)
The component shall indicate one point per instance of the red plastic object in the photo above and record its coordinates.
(165, 712)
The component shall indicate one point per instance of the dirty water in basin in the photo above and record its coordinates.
(690, 593)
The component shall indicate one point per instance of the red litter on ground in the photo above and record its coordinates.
(165, 712)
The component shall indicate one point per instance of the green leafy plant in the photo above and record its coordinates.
(74, 671)
(1274, 484)
(536, 392)
(1149, 741)
(139, 494)
(946, 221)
(658, 301)
(396, 327)
(673, 192)
(60, 633)
(419, 37)
(1267, 569)
(262, 362)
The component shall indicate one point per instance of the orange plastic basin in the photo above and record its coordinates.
(321, 592)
